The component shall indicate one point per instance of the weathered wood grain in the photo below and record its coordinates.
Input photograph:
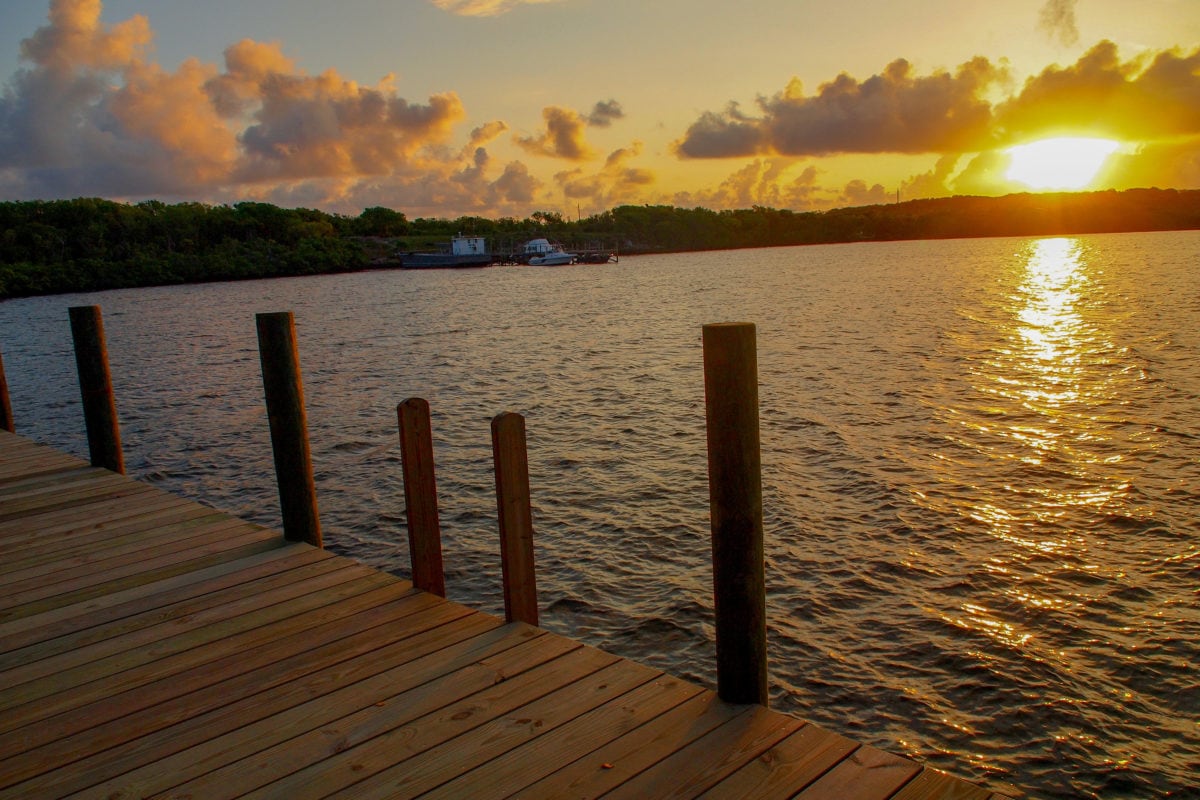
(151, 647)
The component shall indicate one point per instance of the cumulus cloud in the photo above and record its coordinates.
(603, 114)
(618, 182)
(484, 8)
(76, 38)
(1057, 20)
(934, 183)
(516, 185)
(857, 193)
(563, 135)
(770, 182)
(896, 111)
(91, 114)
(486, 132)
(562, 138)
(1155, 96)
(1150, 101)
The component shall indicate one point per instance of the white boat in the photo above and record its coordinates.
(541, 253)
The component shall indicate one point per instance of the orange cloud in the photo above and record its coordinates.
(1152, 97)
(1156, 96)
(1151, 102)
(1162, 164)
(857, 193)
(76, 38)
(483, 8)
(617, 183)
(932, 183)
(562, 138)
(486, 133)
(91, 115)
(768, 182)
(171, 112)
(893, 112)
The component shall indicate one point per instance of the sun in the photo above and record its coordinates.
(1066, 162)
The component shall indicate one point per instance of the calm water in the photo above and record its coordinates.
(981, 468)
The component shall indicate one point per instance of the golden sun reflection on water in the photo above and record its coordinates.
(1059, 379)
(1048, 370)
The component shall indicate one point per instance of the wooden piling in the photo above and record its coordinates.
(6, 416)
(735, 500)
(95, 387)
(284, 392)
(516, 518)
(420, 496)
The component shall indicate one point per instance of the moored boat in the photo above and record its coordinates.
(464, 251)
(542, 253)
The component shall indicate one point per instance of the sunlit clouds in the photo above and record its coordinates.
(93, 111)
(484, 8)
(1150, 100)
(896, 111)
(616, 183)
(563, 136)
(1057, 20)
(1151, 97)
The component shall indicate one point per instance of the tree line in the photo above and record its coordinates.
(88, 244)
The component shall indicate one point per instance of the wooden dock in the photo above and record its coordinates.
(152, 647)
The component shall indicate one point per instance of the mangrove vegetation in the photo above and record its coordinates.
(88, 244)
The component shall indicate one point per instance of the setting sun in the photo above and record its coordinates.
(1062, 163)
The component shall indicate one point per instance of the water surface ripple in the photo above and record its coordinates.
(981, 468)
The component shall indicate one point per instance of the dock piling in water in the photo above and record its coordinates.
(516, 518)
(284, 392)
(6, 417)
(420, 496)
(735, 502)
(95, 388)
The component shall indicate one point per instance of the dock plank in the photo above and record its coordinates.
(36, 700)
(612, 764)
(710, 759)
(132, 751)
(150, 646)
(32, 549)
(86, 559)
(252, 540)
(531, 721)
(388, 728)
(868, 773)
(792, 764)
(68, 619)
(72, 580)
(148, 627)
(932, 784)
(508, 774)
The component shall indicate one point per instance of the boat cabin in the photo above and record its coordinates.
(537, 247)
(468, 246)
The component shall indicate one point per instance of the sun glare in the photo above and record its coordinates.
(1063, 163)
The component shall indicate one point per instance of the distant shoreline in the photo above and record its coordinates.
(89, 244)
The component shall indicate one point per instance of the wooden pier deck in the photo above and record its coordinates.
(152, 647)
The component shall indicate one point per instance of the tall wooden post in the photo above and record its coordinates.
(516, 518)
(6, 417)
(735, 500)
(289, 427)
(95, 387)
(420, 496)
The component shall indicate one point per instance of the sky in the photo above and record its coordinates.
(446, 108)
